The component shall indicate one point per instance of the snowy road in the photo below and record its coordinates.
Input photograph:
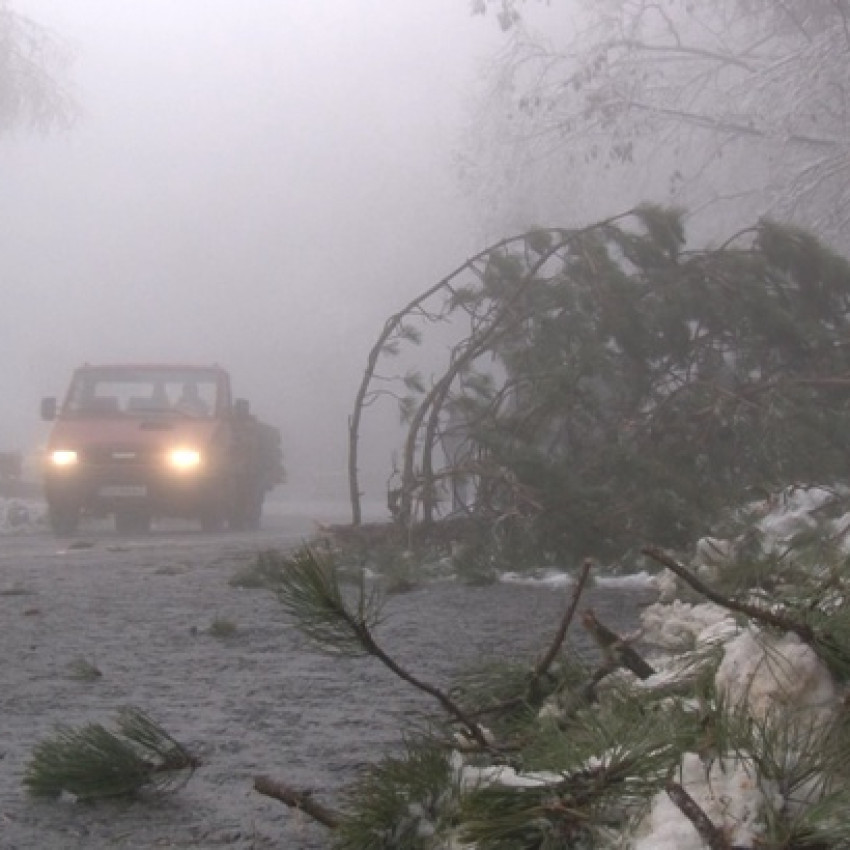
(259, 701)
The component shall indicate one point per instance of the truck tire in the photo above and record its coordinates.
(64, 518)
(133, 521)
(246, 514)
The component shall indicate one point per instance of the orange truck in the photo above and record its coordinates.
(141, 442)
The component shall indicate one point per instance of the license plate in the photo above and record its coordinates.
(124, 491)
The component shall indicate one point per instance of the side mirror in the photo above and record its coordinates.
(241, 408)
(48, 408)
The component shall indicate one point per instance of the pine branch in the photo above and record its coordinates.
(530, 694)
(308, 588)
(310, 591)
(371, 646)
(755, 612)
(588, 693)
(94, 762)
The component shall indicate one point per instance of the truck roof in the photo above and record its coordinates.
(211, 367)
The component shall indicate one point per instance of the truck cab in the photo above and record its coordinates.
(139, 442)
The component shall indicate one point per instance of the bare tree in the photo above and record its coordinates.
(739, 106)
(32, 63)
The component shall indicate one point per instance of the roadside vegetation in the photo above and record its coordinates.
(722, 725)
(612, 389)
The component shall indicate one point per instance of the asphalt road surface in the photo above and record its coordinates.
(260, 701)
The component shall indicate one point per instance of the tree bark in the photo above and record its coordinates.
(710, 834)
(613, 646)
(302, 800)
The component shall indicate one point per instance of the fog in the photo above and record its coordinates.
(257, 185)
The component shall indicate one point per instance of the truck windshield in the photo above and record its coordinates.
(139, 391)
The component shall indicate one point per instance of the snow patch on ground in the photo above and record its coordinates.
(635, 581)
(541, 578)
(768, 673)
(683, 626)
(558, 579)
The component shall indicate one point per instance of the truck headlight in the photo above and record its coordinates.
(184, 459)
(63, 457)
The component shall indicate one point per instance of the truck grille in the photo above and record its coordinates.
(119, 455)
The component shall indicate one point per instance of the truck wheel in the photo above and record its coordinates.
(64, 519)
(132, 522)
(246, 515)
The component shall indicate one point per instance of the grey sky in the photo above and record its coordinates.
(257, 184)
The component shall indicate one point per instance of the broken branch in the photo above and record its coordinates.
(757, 613)
(302, 800)
(546, 661)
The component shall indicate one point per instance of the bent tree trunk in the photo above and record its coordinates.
(482, 329)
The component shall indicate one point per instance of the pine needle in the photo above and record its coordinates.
(310, 592)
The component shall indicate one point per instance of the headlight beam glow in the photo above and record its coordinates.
(63, 457)
(184, 459)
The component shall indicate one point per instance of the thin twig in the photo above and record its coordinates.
(546, 660)
(371, 646)
(560, 636)
(302, 800)
(356, 623)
